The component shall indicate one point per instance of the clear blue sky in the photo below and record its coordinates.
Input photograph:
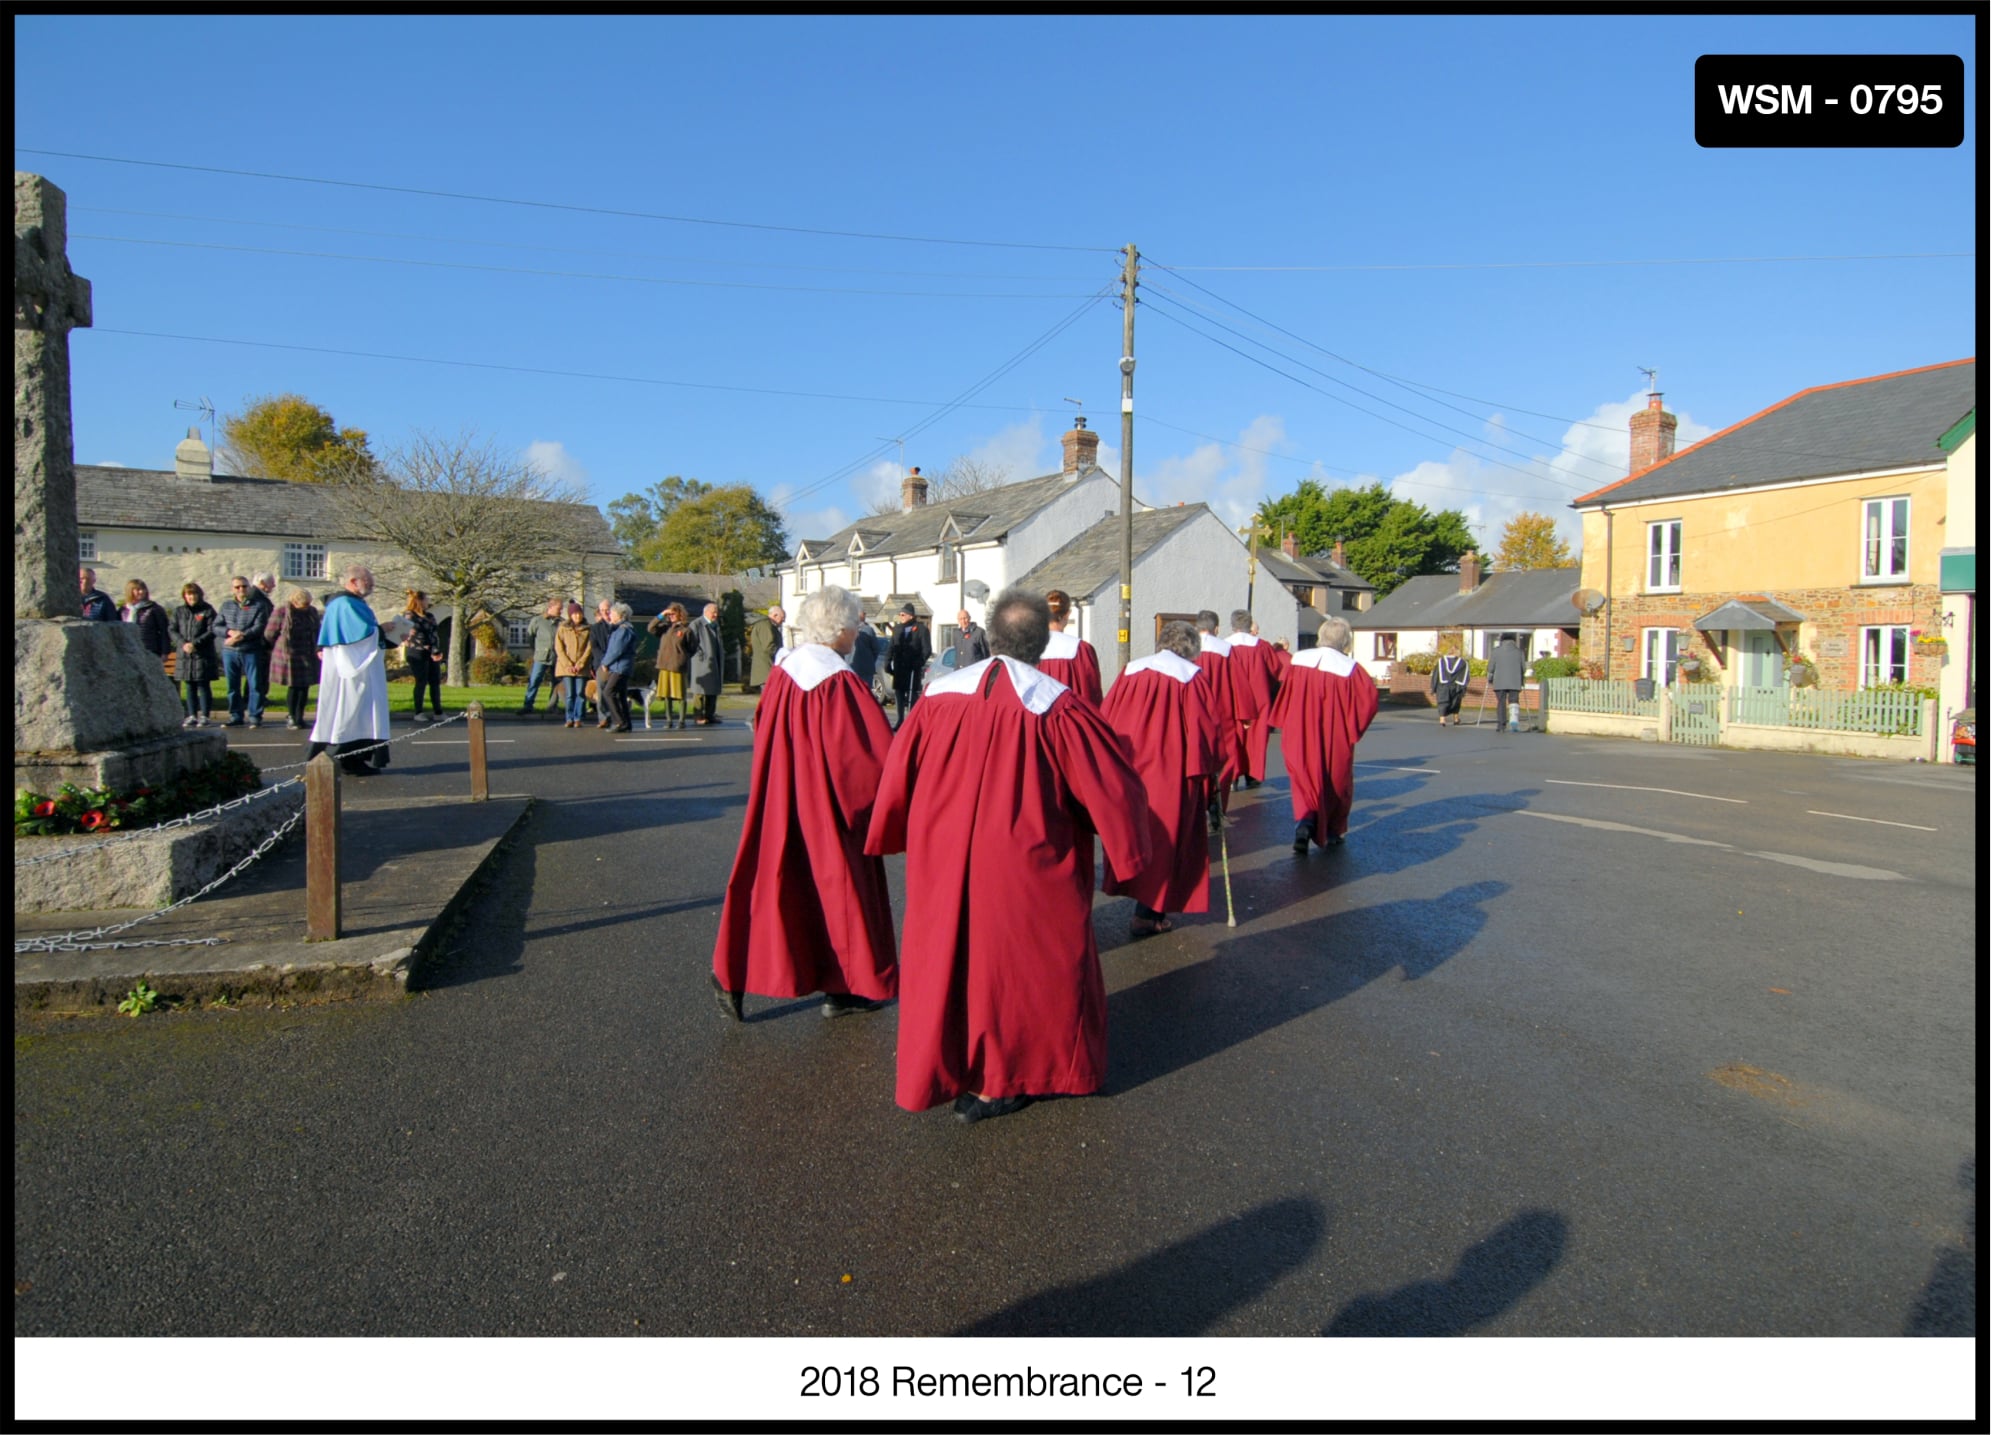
(1467, 197)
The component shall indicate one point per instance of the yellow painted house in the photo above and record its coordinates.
(1814, 530)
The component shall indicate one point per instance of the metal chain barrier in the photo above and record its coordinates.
(87, 941)
(194, 817)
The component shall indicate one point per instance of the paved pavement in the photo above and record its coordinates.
(1573, 1037)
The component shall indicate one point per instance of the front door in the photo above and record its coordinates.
(1760, 662)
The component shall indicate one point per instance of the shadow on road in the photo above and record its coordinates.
(1410, 836)
(1255, 983)
(1490, 1277)
(1949, 1301)
(1182, 1289)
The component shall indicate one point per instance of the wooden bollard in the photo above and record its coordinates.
(475, 742)
(322, 849)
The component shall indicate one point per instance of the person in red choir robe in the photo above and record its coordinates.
(995, 785)
(806, 910)
(1254, 671)
(1230, 759)
(1323, 706)
(1069, 660)
(1163, 708)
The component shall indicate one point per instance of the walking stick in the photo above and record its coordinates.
(1483, 696)
(1228, 893)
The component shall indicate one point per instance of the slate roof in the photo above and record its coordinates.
(160, 499)
(980, 516)
(1886, 422)
(649, 592)
(1091, 559)
(1532, 598)
(1329, 574)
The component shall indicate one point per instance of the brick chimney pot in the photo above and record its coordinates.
(1468, 572)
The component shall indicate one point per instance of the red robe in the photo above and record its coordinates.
(1231, 761)
(1254, 673)
(1161, 708)
(996, 781)
(1323, 706)
(806, 910)
(1073, 663)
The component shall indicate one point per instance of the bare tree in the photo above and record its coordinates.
(482, 532)
(959, 479)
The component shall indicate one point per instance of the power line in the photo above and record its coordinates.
(556, 373)
(1432, 438)
(563, 248)
(1551, 263)
(560, 273)
(566, 208)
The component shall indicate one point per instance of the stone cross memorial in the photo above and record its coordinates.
(91, 705)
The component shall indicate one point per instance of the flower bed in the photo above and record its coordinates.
(96, 809)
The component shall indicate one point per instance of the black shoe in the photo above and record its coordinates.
(843, 1004)
(1250, 782)
(1302, 838)
(730, 1002)
(1214, 817)
(1339, 840)
(970, 1108)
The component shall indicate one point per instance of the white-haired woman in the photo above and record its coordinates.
(806, 910)
(1325, 702)
(621, 645)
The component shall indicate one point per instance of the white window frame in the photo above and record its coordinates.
(1385, 647)
(1878, 554)
(1663, 556)
(293, 564)
(1879, 661)
(799, 571)
(86, 546)
(947, 561)
(518, 635)
(1659, 655)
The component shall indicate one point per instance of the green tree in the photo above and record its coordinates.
(723, 530)
(289, 436)
(1387, 538)
(1529, 541)
(637, 517)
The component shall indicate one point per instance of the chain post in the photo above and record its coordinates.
(475, 744)
(322, 849)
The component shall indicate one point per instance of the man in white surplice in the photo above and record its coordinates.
(353, 710)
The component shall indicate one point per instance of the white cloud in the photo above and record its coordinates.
(1229, 480)
(1490, 491)
(558, 463)
(1016, 450)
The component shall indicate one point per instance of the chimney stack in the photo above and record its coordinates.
(1339, 554)
(1289, 544)
(915, 491)
(1079, 451)
(1468, 572)
(192, 458)
(1652, 435)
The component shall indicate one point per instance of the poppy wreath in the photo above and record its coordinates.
(90, 810)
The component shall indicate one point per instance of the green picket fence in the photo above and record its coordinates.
(1885, 712)
(1587, 695)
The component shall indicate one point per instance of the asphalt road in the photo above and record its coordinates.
(1574, 1037)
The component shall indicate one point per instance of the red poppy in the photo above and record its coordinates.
(91, 821)
(45, 808)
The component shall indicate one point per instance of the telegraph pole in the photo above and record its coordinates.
(1125, 367)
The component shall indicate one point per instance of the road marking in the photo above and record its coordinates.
(656, 739)
(1387, 767)
(1671, 791)
(1812, 864)
(453, 741)
(1882, 822)
(1624, 827)
(1832, 869)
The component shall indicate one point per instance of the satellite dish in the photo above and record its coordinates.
(1586, 600)
(976, 590)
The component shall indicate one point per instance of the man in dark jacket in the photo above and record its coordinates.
(970, 644)
(1506, 675)
(600, 634)
(909, 655)
(705, 662)
(242, 619)
(542, 655)
(96, 605)
(867, 650)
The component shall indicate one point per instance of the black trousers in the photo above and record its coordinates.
(295, 701)
(424, 668)
(907, 686)
(707, 706)
(614, 689)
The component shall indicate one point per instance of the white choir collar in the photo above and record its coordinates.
(1212, 644)
(1037, 690)
(1326, 660)
(1244, 640)
(1061, 645)
(1167, 664)
(810, 664)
